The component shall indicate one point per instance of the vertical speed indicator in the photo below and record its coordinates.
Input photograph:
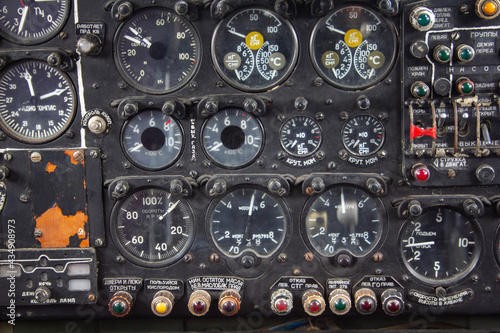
(157, 51)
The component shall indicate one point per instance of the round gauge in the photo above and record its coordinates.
(363, 135)
(254, 49)
(353, 47)
(232, 138)
(152, 227)
(37, 101)
(31, 22)
(248, 220)
(344, 218)
(157, 51)
(440, 246)
(152, 140)
(300, 136)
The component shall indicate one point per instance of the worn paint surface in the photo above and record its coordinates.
(59, 230)
(50, 167)
(70, 153)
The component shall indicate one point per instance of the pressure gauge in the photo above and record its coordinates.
(232, 138)
(248, 220)
(30, 22)
(363, 135)
(37, 101)
(353, 47)
(157, 51)
(152, 227)
(440, 246)
(344, 218)
(152, 140)
(254, 49)
(300, 136)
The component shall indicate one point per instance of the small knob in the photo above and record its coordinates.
(120, 304)
(229, 302)
(392, 302)
(340, 301)
(313, 302)
(97, 125)
(420, 90)
(281, 302)
(199, 302)
(162, 303)
(414, 208)
(365, 301)
(487, 9)
(419, 49)
(442, 54)
(485, 173)
(42, 294)
(420, 172)
(465, 86)
(442, 87)
(465, 53)
(4, 173)
(89, 45)
(422, 18)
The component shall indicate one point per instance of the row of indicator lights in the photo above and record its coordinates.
(442, 87)
(163, 303)
(365, 302)
(484, 173)
(423, 18)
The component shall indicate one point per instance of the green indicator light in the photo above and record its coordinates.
(340, 305)
(444, 55)
(467, 87)
(424, 20)
(422, 91)
(118, 307)
(466, 54)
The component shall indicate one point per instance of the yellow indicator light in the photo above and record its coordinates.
(490, 8)
(254, 40)
(353, 38)
(161, 307)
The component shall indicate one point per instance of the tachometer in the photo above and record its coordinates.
(152, 227)
(254, 49)
(440, 246)
(353, 30)
(157, 51)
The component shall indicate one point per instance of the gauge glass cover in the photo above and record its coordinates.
(363, 135)
(37, 101)
(152, 227)
(254, 49)
(300, 136)
(157, 51)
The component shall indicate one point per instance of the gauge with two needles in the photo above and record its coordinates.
(37, 101)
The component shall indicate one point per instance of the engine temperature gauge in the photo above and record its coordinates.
(254, 49)
(353, 47)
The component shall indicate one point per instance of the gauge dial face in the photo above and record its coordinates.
(37, 101)
(152, 140)
(344, 218)
(440, 246)
(232, 138)
(353, 47)
(152, 227)
(31, 22)
(300, 136)
(157, 51)
(248, 220)
(254, 49)
(363, 135)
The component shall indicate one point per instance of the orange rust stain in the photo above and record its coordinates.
(70, 154)
(57, 228)
(50, 167)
